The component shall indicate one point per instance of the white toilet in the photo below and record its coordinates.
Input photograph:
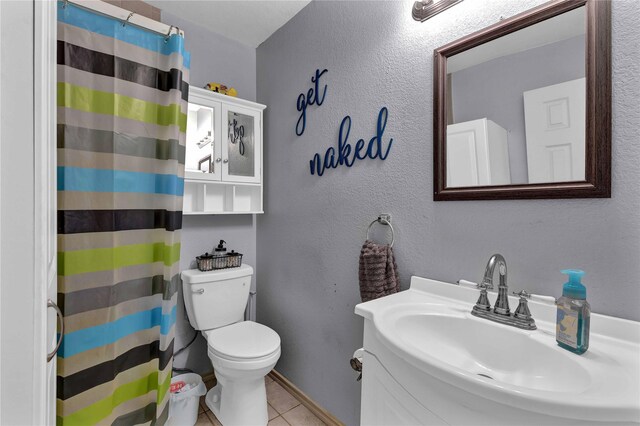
(242, 352)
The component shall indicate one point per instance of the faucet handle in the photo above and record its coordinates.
(483, 285)
(482, 305)
(480, 286)
(550, 300)
(522, 311)
(523, 294)
(468, 284)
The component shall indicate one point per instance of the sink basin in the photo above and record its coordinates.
(479, 347)
(431, 345)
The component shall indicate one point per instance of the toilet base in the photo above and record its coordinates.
(241, 403)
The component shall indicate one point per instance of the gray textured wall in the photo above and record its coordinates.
(494, 90)
(217, 58)
(213, 58)
(310, 237)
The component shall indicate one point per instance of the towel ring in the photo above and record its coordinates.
(384, 222)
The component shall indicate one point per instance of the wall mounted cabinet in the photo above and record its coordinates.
(477, 154)
(223, 164)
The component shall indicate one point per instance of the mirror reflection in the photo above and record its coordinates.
(200, 140)
(516, 107)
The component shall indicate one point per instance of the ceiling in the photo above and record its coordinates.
(249, 22)
(560, 27)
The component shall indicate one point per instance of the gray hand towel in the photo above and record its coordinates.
(378, 271)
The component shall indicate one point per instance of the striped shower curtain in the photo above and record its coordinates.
(122, 103)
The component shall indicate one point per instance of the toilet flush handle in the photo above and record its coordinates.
(198, 291)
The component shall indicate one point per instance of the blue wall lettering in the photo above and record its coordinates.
(310, 99)
(375, 149)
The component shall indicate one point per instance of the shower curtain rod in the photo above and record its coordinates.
(127, 16)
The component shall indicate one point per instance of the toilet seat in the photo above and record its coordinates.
(243, 342)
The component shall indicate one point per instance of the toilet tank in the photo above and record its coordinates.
(216, 298)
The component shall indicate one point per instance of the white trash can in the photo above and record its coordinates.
(183, 405)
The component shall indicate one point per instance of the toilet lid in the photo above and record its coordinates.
(243, 340)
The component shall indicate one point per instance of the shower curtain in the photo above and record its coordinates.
(122, 104)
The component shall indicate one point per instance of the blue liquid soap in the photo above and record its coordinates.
(572, 323)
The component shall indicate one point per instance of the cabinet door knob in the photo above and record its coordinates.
(225, 161)
(218, 160)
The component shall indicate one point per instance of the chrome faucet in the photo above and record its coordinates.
(502, 303)
(501, 312)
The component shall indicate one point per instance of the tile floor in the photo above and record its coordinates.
(284, 408)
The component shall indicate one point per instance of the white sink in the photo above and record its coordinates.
(479, 347)
(426, 337)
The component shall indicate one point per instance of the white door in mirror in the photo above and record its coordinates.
(555, 129)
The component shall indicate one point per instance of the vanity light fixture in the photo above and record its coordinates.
(425, 9)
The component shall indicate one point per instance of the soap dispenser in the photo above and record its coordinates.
(572, 322)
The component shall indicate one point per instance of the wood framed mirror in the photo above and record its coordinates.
(522, 109)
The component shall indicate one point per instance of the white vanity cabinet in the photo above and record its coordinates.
(223, 155)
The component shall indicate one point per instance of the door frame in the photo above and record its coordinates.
(0, 226)
(26, 206)
(45, 205)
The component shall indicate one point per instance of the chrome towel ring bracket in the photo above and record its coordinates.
(384, 219)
